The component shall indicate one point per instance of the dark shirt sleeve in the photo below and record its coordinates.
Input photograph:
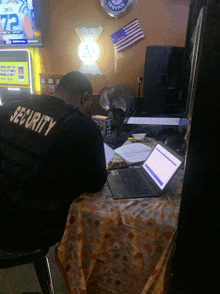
(74, 164)
(81, 156)
(2, 119)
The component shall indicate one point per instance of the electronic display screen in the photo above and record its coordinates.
(19, 23)
(14, 73)
(161, 165)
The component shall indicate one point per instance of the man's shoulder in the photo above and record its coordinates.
(13, 102)
(82, 127)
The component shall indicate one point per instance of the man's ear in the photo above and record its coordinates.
(84, 98)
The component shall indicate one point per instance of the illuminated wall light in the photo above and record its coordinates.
(89, 50)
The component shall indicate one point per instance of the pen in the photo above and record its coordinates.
(134, 140)
(126, 166)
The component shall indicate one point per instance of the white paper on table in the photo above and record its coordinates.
(109, 153)
(133, 152)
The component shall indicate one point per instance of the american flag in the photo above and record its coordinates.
(127, 36)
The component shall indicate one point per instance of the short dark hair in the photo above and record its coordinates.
(73, 83)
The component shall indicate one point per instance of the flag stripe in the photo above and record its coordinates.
(133, 30)
(130, 42)
(132, 23)
(129, 39)
(129, 36)
(132, 27)
(133, 33)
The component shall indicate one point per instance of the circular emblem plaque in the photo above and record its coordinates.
(117, 8)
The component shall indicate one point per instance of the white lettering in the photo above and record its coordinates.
(28, 121)
(22, 120)
(32, 120)
(52, 124)
(15, 113)
(37, 127)
(16, 120)
(46, 119)
(35, 119)
(122, 5)
(111, 6)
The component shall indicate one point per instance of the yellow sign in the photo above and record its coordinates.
(14, 73)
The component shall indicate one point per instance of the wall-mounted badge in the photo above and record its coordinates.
(117, 8)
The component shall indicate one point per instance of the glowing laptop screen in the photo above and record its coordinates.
(161, 165)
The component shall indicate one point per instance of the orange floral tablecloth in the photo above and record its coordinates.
(118, 246)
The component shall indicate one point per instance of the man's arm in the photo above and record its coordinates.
(91, 156)
(82, 158)
(27, 25)
(1, 36)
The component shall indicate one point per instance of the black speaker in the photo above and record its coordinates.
(162, 79)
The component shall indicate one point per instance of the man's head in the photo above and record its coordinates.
(73, 88)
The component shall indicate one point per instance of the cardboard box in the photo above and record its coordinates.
(104, 123)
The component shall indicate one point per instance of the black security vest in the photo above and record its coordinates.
(28, 132)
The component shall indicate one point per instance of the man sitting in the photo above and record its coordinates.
(50, 154)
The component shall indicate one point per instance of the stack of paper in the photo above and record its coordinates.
(133, 152)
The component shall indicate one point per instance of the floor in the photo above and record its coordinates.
(23, 279)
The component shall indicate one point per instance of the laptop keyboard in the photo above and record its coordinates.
(136, 185)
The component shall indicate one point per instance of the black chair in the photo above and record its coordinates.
(37, 257)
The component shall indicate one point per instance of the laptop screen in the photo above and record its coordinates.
(161, 165)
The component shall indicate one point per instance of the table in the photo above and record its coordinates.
(118, 246)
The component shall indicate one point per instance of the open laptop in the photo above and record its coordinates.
(148, 180)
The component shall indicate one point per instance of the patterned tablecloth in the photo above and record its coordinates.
(118, 246)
